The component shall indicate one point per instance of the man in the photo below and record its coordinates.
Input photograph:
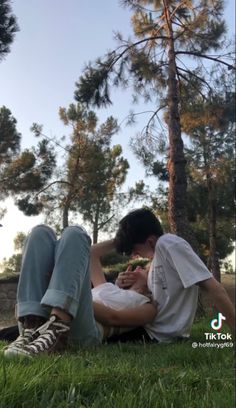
(55, 286)
(175, 274)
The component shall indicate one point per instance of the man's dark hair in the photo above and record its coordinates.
(135, 228)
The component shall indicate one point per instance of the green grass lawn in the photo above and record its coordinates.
(124, 376)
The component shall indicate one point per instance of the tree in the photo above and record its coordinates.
(22, 173)
(93, 171)
(10, 138)
(8, 27)
(12, 265)
(83, 122)
(172, 39)
(153, 157)
(210, 121)
(19, 241)
(9, 141)
(99, 201)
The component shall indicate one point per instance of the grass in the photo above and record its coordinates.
(124, 376)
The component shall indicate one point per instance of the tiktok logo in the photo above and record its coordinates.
(216, 324)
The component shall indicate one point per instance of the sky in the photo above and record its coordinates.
(55, 40)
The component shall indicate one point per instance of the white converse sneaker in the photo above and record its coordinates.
(27, 336)
(51, 337)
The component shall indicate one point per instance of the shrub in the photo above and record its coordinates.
(114, 258)
(228, 267)
(112, 271)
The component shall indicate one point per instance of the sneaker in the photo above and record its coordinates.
(50, 337)
(27, 336)
(30, 324)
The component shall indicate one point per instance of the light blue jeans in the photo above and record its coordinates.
(55, 273)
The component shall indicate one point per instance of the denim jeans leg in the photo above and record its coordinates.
(69, 287)
(36, 269)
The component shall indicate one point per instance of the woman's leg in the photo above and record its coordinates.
(69, 288)
(62, 286)
(36, 270)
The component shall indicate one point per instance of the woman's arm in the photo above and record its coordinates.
(97, 251)
(134, 317)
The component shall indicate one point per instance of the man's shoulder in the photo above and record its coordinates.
(167, 242)
(169, 239)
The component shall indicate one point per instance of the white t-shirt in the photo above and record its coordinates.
(112, 296)
(172, 279)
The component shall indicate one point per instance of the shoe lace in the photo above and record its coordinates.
(47, 334)
(58, 326)
(27, 333)
(24, 338)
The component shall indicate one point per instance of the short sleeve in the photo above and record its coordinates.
(189, 266)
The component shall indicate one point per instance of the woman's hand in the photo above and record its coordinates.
(128, 278)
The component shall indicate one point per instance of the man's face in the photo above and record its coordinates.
(145, 250)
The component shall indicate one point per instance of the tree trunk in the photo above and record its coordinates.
(95, 226)
(72, 189)
(65, 215)
(177, 201)
(213, 262)
(95, 234)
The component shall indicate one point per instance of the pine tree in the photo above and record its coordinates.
(172, 39)
(91, 174)
(10, 138)
(8, 27)
(22, 172)
(210, 122)
(11, 265)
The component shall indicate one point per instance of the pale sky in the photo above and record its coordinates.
(55, 40)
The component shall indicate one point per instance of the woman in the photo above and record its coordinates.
(54, 298)
(112, 296)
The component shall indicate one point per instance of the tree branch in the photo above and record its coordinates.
(194, 75)
(152, 117)
(139, 113)
(49, 185)
(198, 54)
(134, 45)
(101, 225)
(186, 79)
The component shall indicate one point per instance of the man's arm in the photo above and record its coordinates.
(221, 300)
(137, 316)
(97, 251)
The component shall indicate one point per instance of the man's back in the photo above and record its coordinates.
(172, 279)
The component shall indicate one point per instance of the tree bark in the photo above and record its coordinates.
(177, 197)
(95, 234)
(65, 214)
(214, 264)
(213, 261)
(95, 225)
(72, 188)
